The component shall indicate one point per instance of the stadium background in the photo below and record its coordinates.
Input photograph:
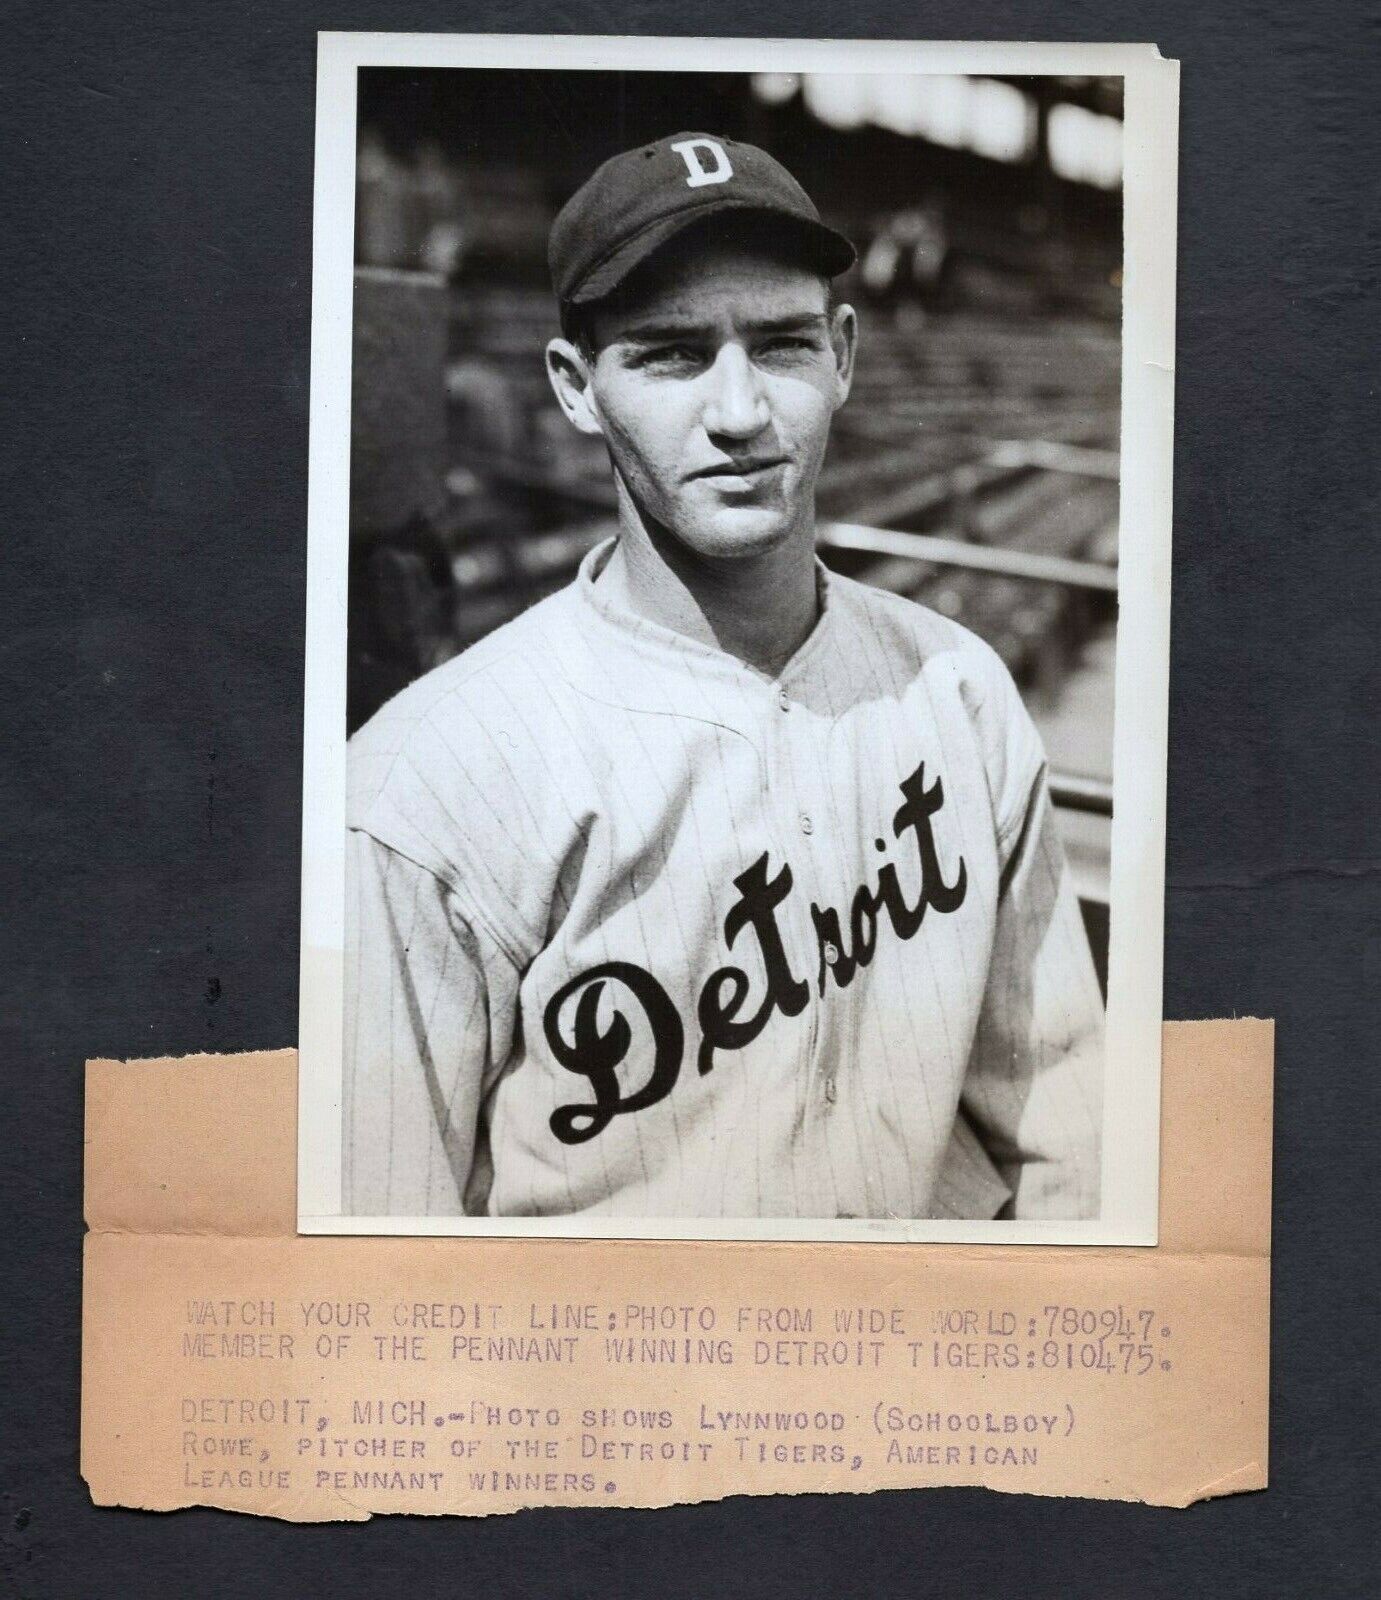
(975, 467)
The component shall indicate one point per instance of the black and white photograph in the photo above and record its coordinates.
(737, 643)
(691, 790)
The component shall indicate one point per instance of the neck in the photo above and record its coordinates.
(759, 608)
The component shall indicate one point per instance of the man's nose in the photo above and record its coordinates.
(736, 406)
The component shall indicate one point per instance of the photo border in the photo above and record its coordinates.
(1131, 1130)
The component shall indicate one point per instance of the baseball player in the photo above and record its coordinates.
(716, 885)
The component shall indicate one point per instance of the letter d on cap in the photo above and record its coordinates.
(699, 175)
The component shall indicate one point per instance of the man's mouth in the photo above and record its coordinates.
(746, 471)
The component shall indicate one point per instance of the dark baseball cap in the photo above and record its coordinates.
(639, 200)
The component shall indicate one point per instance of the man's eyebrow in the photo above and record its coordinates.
(669, 332)
(662, 332)
(796, 323)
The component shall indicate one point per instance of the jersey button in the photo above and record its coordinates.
(830, 1091)
(782, 698)
(831, 954)
(807, 826)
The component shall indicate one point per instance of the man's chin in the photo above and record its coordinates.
(738, 534)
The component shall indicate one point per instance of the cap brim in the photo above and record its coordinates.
(821, 247)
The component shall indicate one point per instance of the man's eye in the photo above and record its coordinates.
(786, 344)
(669, 355)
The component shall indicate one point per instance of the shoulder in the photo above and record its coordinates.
(470, 701)
(916, 641)
(465, 773)
(498, 657)
(964, 683)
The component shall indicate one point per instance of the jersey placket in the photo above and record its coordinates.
(801, 815)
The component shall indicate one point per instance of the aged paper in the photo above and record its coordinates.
(229, 1362)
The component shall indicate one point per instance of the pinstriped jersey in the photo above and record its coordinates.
(634, 930)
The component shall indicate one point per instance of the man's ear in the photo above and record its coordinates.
(569, 374)
(844, 343)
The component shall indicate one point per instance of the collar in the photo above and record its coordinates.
(627, 661)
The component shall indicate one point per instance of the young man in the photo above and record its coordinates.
(715, 885)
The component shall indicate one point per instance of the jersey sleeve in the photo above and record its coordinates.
(1033, 1086)
(429, 999)
(969, 1187)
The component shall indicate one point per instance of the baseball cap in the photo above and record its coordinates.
(639, 200)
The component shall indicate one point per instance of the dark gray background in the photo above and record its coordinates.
(156, 281)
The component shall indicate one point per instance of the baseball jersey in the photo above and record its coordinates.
(634, 930)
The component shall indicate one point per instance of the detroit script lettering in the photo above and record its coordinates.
(597, 1056)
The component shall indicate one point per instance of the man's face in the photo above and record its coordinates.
(714, 385)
